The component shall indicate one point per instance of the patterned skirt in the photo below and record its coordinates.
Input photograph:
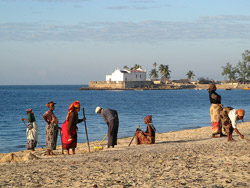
(51, 136)
(143, 139)
(215, 110)
(31, 144)
(225, 120)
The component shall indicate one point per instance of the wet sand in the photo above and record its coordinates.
(189, 158)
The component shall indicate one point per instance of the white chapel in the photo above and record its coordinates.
(127, 75)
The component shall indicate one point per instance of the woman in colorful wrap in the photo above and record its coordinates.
(69, 128)
(147, 137)
(51, 128)
(31, 131)
(229, 116)
(215, 109)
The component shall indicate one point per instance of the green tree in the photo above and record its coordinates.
(153, 74)
(136, 66)
(190, 75)
(164, 71)
(155, 65)
(243, 68)
(126, 67)
(229, 71)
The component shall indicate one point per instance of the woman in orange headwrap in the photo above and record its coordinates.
(147, 137)
(69, 128)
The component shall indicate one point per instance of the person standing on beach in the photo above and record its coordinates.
(69, 127)
(51, 128)
(31, 131)
(229, 116)
(215, 109)
(111, 118)
(147, 137)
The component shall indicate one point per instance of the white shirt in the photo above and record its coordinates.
(233, 117)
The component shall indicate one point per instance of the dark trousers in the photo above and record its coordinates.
(113, 131)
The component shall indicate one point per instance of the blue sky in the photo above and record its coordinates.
(75, 41)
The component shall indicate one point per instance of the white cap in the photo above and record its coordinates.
(97, 109)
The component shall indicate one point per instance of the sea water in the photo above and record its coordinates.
(172, 110)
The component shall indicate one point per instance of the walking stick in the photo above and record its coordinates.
(37, 141)
(134, 136)
(61, 138)
(86, 128)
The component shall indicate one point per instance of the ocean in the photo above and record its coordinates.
(172, 110)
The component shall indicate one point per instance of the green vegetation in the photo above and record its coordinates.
(241, 72)
(190, 75)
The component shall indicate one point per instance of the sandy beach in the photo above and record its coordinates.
(189, 158)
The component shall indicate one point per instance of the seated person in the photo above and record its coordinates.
(147, 137)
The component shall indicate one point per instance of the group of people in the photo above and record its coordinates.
(223, 117)
(69, 128)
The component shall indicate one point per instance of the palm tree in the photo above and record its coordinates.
(190, 75)
(126, 67)
(154, 74)
(155, 64)
(136, 66)
(164, 71)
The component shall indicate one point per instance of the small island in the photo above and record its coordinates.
(135, 79)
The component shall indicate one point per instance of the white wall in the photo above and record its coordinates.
(130, 76)
(135, 76)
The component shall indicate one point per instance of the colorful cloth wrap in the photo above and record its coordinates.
(66, 144)
(75, 104)
(215, 110)
(72, 143)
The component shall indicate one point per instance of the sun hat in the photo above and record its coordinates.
(97, 109)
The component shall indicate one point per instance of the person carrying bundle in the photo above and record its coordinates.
(229, 116)
(31, 131)
(147, 137)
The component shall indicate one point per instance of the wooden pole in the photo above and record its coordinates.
(61, 139)
(86, 128)
(134, 136)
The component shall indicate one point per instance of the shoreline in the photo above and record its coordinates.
(175, 86)
(187, 158)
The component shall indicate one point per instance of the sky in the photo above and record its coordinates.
(50, 42)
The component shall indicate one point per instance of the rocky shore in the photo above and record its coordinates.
(175, 86)
(188, 158)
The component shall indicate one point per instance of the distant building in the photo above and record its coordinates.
(127, 75)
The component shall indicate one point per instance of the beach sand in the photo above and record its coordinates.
(189, 158)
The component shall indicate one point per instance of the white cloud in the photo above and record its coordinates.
(220, 27)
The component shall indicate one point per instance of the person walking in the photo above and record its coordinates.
(51, 128)
(31, 131)
(111, 118)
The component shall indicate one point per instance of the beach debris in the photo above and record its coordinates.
(10, 157)
(29, 157)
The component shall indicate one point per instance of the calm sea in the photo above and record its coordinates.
(172, 110)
